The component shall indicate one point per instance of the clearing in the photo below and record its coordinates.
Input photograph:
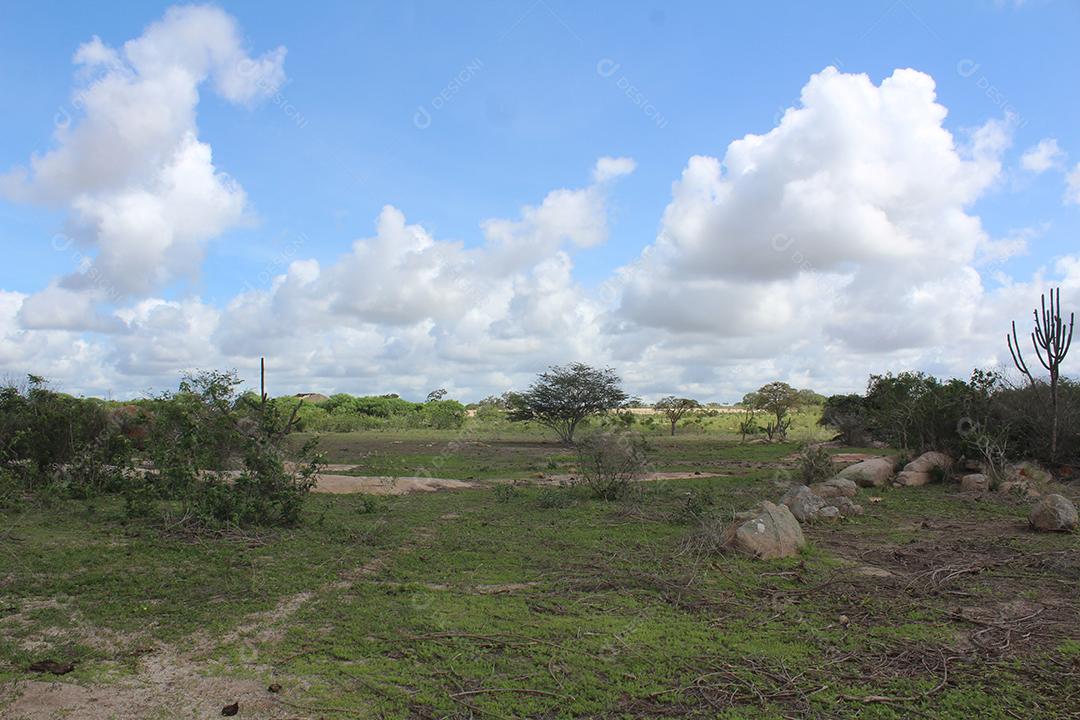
(528, 599)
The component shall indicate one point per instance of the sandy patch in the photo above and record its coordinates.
(377, 485)
(167, 686)
(648, 477)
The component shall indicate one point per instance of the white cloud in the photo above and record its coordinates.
(608, 168)
(1072, 185)
(139, 187)
(841, 242)
(1042, 156)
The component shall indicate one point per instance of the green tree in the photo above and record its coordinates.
(565, 395)
(778, 399)
(676, 408)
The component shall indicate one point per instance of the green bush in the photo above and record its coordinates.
(815, 465)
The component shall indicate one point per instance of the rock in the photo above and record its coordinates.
(829, 512)
(1019, 487)
(874, 472)
(770, 532)
(845, 506)
(230, 710)
(928, 461)
(836, 487)
(910, 478)
(976, 482)
(1053, 513)
(803, 503)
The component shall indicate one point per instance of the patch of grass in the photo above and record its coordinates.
(542, 602)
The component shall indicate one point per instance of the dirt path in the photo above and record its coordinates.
(173, 683)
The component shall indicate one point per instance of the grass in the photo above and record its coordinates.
(544, 603)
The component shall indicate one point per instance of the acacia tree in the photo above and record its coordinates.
(1051, 341)
(565, 395)
(675, 408)
(777, 399)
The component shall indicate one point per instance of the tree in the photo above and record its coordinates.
(675, 408)
(777, 399)
(748, 424)
(565, 395)
(436, 395)
(1051, 342)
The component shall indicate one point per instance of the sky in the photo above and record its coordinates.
(400, 196)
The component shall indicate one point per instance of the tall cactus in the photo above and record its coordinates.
(1051, 342)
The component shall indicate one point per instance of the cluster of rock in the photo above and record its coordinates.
(769, 531)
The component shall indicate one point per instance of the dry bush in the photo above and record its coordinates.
(609, 462)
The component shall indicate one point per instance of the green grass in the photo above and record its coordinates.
(493, 604)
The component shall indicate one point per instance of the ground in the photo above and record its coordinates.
(520, 598)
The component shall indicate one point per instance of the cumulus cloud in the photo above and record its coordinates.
(1042, 156)
(1072, 186)
(140, 189)
(845, 230)
(608, 168)
(841, 242)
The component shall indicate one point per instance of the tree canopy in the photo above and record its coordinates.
(675, 408)
(565, 395)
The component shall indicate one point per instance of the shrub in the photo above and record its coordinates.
(506, 492)
(609, 462)
(815, 465)
(1021, 416)
(696, 505)
(916, 412)
(555, 498)
(443, 414)
(847, 415)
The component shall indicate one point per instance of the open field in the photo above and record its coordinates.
(531, 600)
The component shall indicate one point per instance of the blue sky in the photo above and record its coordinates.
(541, 94)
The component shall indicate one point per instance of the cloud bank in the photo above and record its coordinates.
(841, 242)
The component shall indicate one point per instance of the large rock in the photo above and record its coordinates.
(874, 472)
(1053, 513)
(803, 503)
(928, 461)
(975, 482)
(835, 487)
(766, 532)
(920, 470)
(910, 478)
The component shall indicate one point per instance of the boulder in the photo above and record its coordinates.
(1053, 513)
(920, 470)
(910, 478)
(975, 482)
(769, 531)
(874, 472)
(829, 512)
(835, 487)
(928, 461)
(803, 503)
